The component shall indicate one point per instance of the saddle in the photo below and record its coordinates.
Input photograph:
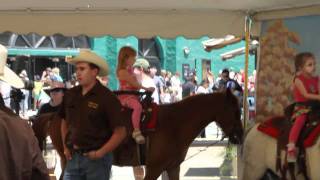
(129, 153)
(279, 128)
(149, 109)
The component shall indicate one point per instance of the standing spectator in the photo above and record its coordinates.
(5, 92)
(189, 87)
(252, 80)
(92, 118)
(176, 87)
(46, 76)
(238, 78)
(36, 92)
(226, 82)
(210, 77)
(163, 75)
(56, 92)
(158, 82)
(24, 104)
(167, 79)
(203, 89)
(242, 75)
(166, 96)
(222, 82)
(56, 75)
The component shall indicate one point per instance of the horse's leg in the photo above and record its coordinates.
(138, 172)
(174, 173)
(255, 157)
(152, 173)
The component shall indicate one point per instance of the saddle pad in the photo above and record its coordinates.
(154, 117)
(268, 128)
(312, 137)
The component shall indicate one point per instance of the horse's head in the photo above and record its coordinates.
(230, 118)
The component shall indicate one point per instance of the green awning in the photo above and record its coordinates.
(42, 52)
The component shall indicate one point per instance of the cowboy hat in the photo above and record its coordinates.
(55, 85)
(86, 55)
(141, 63)
(6, 74)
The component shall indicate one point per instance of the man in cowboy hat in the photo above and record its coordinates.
(92, 125)
(20, 155)
(56, 92)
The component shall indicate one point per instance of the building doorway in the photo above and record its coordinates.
(35, 65)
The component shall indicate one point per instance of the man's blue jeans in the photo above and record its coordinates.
(82, 168)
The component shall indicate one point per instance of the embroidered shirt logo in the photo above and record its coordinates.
(93, 105)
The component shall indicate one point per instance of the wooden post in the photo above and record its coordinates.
(245, 94)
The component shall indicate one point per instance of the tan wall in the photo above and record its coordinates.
(275, 60)
(275, 70)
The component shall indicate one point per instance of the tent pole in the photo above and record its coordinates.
(245, 94)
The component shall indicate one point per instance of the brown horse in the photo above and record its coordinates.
(49, 124)
(179, 124)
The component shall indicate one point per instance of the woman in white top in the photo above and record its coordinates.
(203, 87)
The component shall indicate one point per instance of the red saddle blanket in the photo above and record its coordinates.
(268, 128)
(151, 124)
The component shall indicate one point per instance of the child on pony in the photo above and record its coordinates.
(129, 82)
(305, 88)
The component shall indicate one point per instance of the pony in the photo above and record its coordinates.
(177, 126)
(49, 124)
(260, 153)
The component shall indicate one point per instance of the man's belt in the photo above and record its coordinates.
(81, 151)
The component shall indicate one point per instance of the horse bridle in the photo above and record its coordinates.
(232, 133)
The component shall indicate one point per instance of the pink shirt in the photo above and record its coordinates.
(310, 84)
(124, 85)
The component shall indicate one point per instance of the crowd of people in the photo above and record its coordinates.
(169, 87)
(85, 104)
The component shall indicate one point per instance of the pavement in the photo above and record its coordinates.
(202, 161)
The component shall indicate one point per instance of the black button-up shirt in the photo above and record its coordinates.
(92, 117)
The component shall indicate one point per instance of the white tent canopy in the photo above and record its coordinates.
(145, 18)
